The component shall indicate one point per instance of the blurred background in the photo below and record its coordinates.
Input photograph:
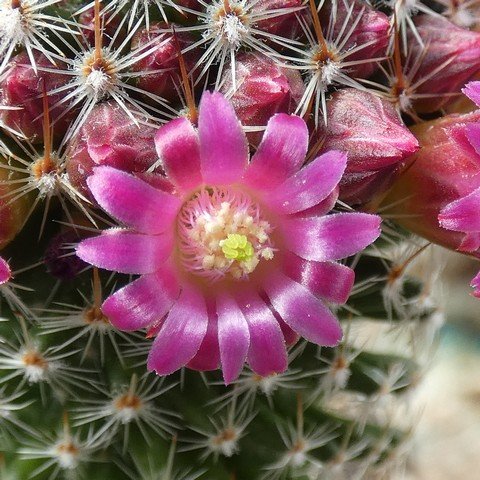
(447, 441)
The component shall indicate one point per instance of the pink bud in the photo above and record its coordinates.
(110, 28)
(165, 57)
(285, 25)
(12, 213)
(375, 139)
(371, 31)
(109, 137)
(457, 49)
(264, 88)
(445, 170)
(21, 87)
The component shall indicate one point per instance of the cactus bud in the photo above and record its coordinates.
(285, 25)
(110, 28)
(13, 210)
(22, 87)
(445, 170)
(370, 131)
(109, 137)
(371, 31)
(264, 88)
(161, 70)
(450, 58)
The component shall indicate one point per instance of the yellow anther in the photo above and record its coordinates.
(237, 247)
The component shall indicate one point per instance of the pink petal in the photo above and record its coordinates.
(281, 152)
(328, 280)
(472, 91)
(132, 201)
(331, 237)
(208, 356)
(267, 353)
(181, 335)
(179, 150)
(125, 252)
(5, 272)
(462, 215)
(311, 184)
(476, 285)
(223, 145)
(143, 302)
(472, 132)
(233, 336)
(302, 311)
(470, 243)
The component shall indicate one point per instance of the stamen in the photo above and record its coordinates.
(223, 233)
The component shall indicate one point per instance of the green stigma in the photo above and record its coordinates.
(237, 247)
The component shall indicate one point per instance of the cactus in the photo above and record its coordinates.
(216, 228)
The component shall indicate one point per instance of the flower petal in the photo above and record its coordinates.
(208, 356)
(462, 215)
(179, 150)
(302, 311)
(223, 145)
(328, 280)
(133, 201)
(472, 91)
(476, 285)
(5, 272)
(233, 337)
(472, 131)
(143, 302)
(125, 252)
(181, 335)
(312, 184)
(331, 237)
(267, 353)
(281, 152)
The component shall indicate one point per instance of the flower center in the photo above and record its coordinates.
(223, 234)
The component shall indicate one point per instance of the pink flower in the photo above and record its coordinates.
(240, 256)
(5, 272)
(463, 214)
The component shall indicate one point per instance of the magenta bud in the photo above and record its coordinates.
(163, 83)
(453, 53)
(263, 89)
(110, 28)
(371, 32)
(442, 179)
(109, 137)
(285, 25)
(22, 87)
(375, 139)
